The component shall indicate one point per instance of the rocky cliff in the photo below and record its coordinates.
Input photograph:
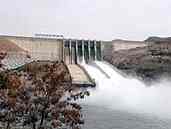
(8, 46)
(149, 63)
(158, 39)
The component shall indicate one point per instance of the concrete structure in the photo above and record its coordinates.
(15, 60)
(71, 51)
(76, 51)
(107, 48)
(39, 48)
(80, 76)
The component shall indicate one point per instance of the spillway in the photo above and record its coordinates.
(127, 94)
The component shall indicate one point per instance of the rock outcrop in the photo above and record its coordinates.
(158, 39)
(149, 63)
(8, 46)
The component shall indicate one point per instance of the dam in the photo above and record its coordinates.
(117, 102)
(74, 52)
(71, 51)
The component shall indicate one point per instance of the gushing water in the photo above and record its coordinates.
(128, 94)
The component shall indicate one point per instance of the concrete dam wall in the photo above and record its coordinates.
(71, 51)
(77, 51)
(40, 48)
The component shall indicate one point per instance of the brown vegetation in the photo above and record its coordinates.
(2, 56)
(39, 96)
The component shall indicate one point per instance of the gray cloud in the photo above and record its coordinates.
(95, 19)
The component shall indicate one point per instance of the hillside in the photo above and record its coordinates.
(149, 63)
(158, 39)
(8, 46)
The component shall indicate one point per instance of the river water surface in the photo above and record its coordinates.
(104, 118)
(125, 103)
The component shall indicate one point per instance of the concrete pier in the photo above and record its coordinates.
(95, 49)
(89, 50)
(70, 51)
(77, 58)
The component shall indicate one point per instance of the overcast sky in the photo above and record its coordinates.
(93, 19)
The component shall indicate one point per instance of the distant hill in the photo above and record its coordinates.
(158, 39)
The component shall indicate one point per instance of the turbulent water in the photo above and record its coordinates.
(125, 103)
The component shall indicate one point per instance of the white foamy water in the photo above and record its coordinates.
(126, 94)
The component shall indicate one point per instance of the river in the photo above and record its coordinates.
(104, 118)
(119, 102)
